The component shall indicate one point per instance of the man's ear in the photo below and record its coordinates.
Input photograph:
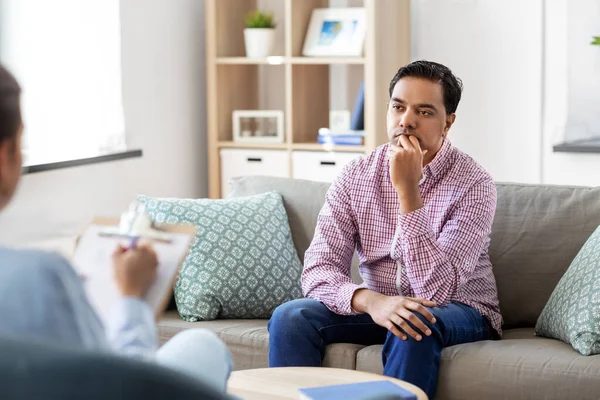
(449, 121)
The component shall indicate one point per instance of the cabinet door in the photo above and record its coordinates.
(240, 162)
(318, 165)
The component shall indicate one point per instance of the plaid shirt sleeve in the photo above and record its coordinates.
(436, 267)
(326, 276)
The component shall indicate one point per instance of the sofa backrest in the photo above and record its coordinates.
(537, 231)
(302, 199)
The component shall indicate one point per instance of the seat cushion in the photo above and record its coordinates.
(521, 366)
(248, 341)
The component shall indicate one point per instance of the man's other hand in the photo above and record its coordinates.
(135, 269)
(395, 312)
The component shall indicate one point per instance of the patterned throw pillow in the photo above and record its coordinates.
(573, 312)
(242, 264)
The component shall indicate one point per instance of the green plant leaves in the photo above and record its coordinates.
(596, 40)
(259, 19)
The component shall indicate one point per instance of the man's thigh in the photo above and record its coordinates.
(460, 323)
(332, 327)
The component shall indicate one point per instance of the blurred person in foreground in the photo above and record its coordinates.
(43, 299)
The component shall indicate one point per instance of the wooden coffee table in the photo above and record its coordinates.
(283, 383)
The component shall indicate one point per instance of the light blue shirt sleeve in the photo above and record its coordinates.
(131, 329)
(43, 298)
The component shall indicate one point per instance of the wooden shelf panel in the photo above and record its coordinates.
(273, 60)
(327, 147)
(280, 60)
(267, 146)
(328, 60)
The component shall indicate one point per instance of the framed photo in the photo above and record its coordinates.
(336, 32)
(258, 126)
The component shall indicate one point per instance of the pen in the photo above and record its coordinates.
(133, 243)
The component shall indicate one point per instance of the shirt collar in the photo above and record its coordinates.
(441, 162)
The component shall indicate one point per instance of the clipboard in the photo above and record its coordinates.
(93, 260)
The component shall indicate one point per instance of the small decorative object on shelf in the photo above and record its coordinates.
(258, 126)
(339, 119)
(336, 32)
(259, 34)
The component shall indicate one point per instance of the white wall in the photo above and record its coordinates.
(165, 110)
(570, 168)
(496, 48)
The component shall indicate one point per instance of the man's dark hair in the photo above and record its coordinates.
(10, 109)
(451, 85)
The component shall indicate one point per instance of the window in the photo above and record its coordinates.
(583, 80)
(66, 54)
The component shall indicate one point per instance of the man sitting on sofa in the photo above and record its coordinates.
(42, 298)
(419, 212)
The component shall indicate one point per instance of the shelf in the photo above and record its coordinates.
(305, 88)
(328, 147)
(273, 60)
(279, 60)
(268, 146)
(295, 146)
(591, 145)
(328, 60)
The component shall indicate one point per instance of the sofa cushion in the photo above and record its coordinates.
(248, 341)
(521, 366)
(302, 199)
(572, 313)
(538, 230)
(242, 264)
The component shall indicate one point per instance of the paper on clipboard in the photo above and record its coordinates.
(93, 260)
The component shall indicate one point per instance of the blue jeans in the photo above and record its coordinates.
(301, 329)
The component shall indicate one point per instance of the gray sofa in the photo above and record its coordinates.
(537, 232)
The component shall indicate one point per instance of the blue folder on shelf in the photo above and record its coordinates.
(357, 121)
(356, 391)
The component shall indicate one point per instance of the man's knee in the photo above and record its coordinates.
(434, 328)
(293, 313)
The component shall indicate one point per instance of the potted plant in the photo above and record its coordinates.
(259, 34)
(596, 40)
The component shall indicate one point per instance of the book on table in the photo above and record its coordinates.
(355, 391)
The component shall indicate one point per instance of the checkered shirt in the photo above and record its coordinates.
(438, 252)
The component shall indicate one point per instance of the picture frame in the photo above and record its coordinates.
(335, 32)
(258, 126)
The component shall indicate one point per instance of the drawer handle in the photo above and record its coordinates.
(332, 163)
(254, 159)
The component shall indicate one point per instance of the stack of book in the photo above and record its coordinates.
(355, 135)
(341, 137)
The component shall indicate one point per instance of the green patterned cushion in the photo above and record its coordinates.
(243, 263)
(573, 312)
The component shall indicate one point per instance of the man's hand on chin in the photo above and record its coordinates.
(406, 170)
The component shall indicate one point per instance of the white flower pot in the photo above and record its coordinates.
(259, 42)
